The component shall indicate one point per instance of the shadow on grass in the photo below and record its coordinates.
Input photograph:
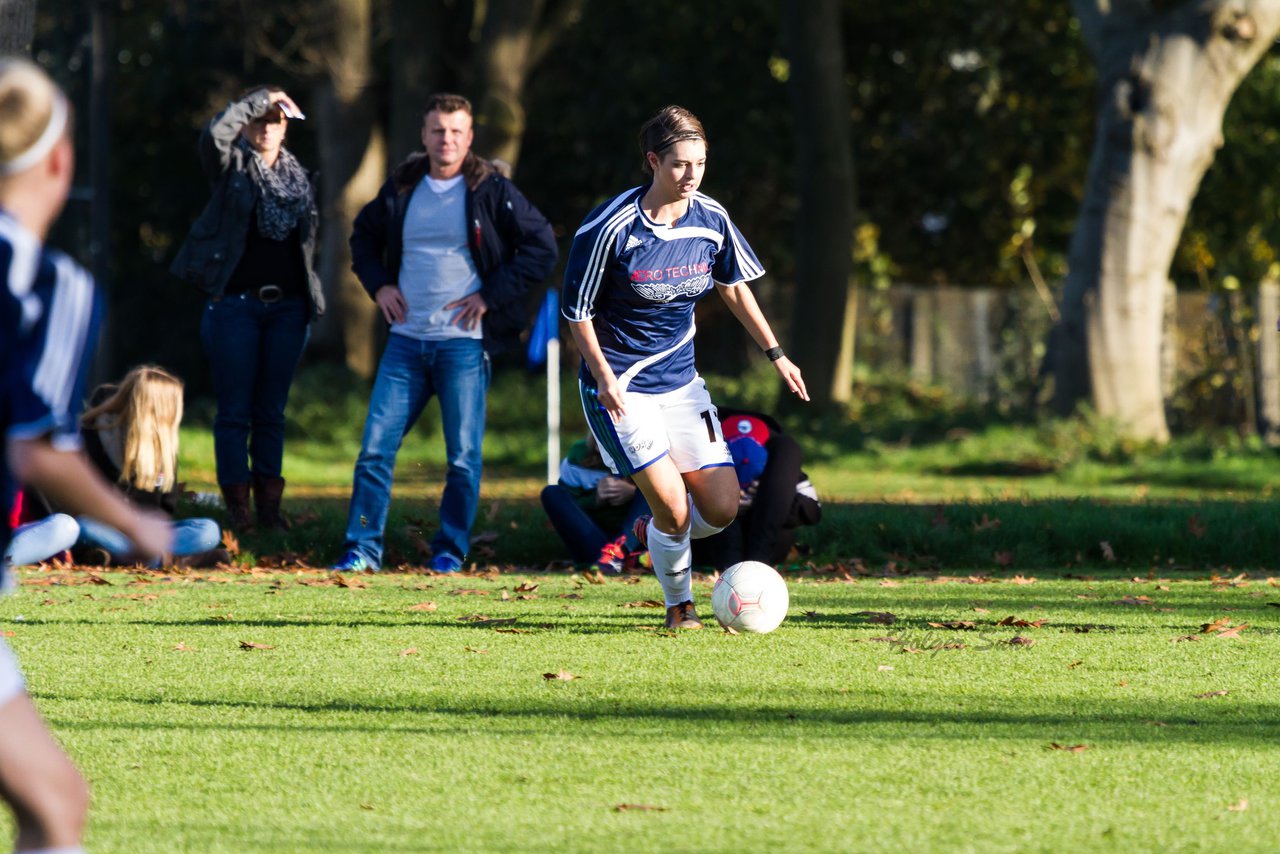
(1154, 722)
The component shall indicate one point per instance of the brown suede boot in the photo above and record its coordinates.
(236, 495)
(267, 492)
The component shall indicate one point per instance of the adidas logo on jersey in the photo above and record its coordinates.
(632, 243)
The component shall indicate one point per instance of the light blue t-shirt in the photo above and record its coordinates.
(436, 266)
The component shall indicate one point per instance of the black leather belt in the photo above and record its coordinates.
(267, 294)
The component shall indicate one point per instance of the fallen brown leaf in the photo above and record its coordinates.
(413, 650)
(1069, 748)
(1239, 806)
(525, 587)
(253, 645)
(1073, 665)
(958, 625)
(1014, 621)
(423, 606)
(1207, 694)
(349, 581)
(560, 676)
(1018, 579)
(638, 808)
(467, 591)
(643, 603)
(879, 618)
(1019, 640)
(1134, 600)
(230, 543)
(986, 524)
(182, 647)
(476, 650)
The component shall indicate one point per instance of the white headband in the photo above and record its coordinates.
(43, 145)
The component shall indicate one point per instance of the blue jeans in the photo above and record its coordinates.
(190, 537)
(254, 350)
(410, 373)
(40, 540)
(582, 534)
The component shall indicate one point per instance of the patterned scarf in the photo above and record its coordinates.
(284, 193)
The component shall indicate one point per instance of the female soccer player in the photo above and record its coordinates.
(638, 265)
(47, 306)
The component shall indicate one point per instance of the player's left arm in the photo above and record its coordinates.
(742, 303)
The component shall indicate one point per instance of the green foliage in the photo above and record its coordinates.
(368, 726)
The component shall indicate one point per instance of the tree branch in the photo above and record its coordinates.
(558, 17)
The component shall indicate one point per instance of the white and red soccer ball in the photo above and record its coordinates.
(750, 597)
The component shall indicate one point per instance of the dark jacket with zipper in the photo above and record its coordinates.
(510, 241)
(216, 242)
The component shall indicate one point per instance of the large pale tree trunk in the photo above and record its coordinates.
(1165, 79)
(353, 165)
(822, 324)
(17, 26)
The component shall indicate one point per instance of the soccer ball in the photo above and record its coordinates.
(750, 597)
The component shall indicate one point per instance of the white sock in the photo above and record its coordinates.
(699, 527)
(671, 558)
(72, 849)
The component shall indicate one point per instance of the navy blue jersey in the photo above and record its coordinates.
(48, 320)
(638, 282)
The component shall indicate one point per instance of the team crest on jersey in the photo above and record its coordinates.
(667, 291)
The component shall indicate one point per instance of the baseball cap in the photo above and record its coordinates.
(749, 457)
(745, 425)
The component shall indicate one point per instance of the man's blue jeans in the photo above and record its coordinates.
(254, 348)
(410, 374)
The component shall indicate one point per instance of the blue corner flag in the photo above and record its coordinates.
(545, 329)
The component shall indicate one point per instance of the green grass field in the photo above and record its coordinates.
(272, 708)
(374, 725)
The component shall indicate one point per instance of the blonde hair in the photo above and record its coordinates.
(147, 408)
(34, 114)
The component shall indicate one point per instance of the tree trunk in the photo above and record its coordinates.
(17, 26)
(352, 168)
(824, 260)
(1165, 81)
(516, 35)
(421, 64)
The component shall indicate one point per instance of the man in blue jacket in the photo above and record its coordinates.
(448, 251)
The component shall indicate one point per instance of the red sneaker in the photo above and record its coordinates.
(612, 557)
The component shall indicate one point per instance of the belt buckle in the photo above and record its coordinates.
(270, 294)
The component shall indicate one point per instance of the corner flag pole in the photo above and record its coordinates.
(544, 347)
(553, 409)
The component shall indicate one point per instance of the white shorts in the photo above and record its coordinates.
(11, 684)
(682, 423)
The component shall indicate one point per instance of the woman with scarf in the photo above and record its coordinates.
(252, 253)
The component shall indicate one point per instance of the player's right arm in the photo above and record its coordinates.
(608, 390)
(584, 276)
